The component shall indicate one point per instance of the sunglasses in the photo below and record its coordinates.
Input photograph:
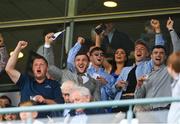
(99, 54)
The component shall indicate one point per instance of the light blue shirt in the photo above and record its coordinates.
(110, 35)
(105, 89)
(71, 56)
(143, 68)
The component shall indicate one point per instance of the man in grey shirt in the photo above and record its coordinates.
(158, 82)
(79, 75)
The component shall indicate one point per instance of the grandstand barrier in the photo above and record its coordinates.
(114, 103)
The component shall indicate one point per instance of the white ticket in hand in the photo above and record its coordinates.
(95, 75)
(57, 34)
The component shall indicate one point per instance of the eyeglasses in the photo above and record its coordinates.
(99, 54)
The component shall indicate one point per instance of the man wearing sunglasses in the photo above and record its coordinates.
(78, 63)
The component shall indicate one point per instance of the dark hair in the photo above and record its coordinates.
(96, 49)
(159, 46)
(113, 62)
(49, 30)
(6, 97)
(40, 57)
(82, 53)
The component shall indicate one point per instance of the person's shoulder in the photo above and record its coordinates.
(26, 76)
(67, 73)
(127, 68)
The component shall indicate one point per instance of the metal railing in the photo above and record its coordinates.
(130, 103)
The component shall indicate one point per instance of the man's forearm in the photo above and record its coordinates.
(10, 67)
(175, 40)
(13, 60)
(49, 101)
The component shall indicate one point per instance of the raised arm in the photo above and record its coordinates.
(46, 50)
(158, 36)
(174, 37)
(73, 52)
(10, 67)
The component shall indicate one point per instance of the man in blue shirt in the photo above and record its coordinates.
(141, 67)
(95, 69)
(144, 66)
(78, 72)
(37, 88)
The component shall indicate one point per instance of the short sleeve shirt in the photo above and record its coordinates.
(49, 89)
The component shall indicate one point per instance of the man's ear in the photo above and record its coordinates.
(151, 56)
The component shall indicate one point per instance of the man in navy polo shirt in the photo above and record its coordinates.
(38, 88)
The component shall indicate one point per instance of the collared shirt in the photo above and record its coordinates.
(143, 68)
(85, 78)
(66, 112)
(158, 84)
(105, 89)
(110, 35)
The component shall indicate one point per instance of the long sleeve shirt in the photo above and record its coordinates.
(158, 84)
(105, 89)
(71, 56)
(144, 67)
(47, 53)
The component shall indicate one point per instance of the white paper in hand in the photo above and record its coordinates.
(57, 34)
(95, 75)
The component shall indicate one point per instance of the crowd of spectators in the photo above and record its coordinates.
(100, 74)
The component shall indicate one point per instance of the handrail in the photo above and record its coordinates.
(91, 105)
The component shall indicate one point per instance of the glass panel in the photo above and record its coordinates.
(133, 27)
(96, 6)
(31, 9)
(35, 38)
